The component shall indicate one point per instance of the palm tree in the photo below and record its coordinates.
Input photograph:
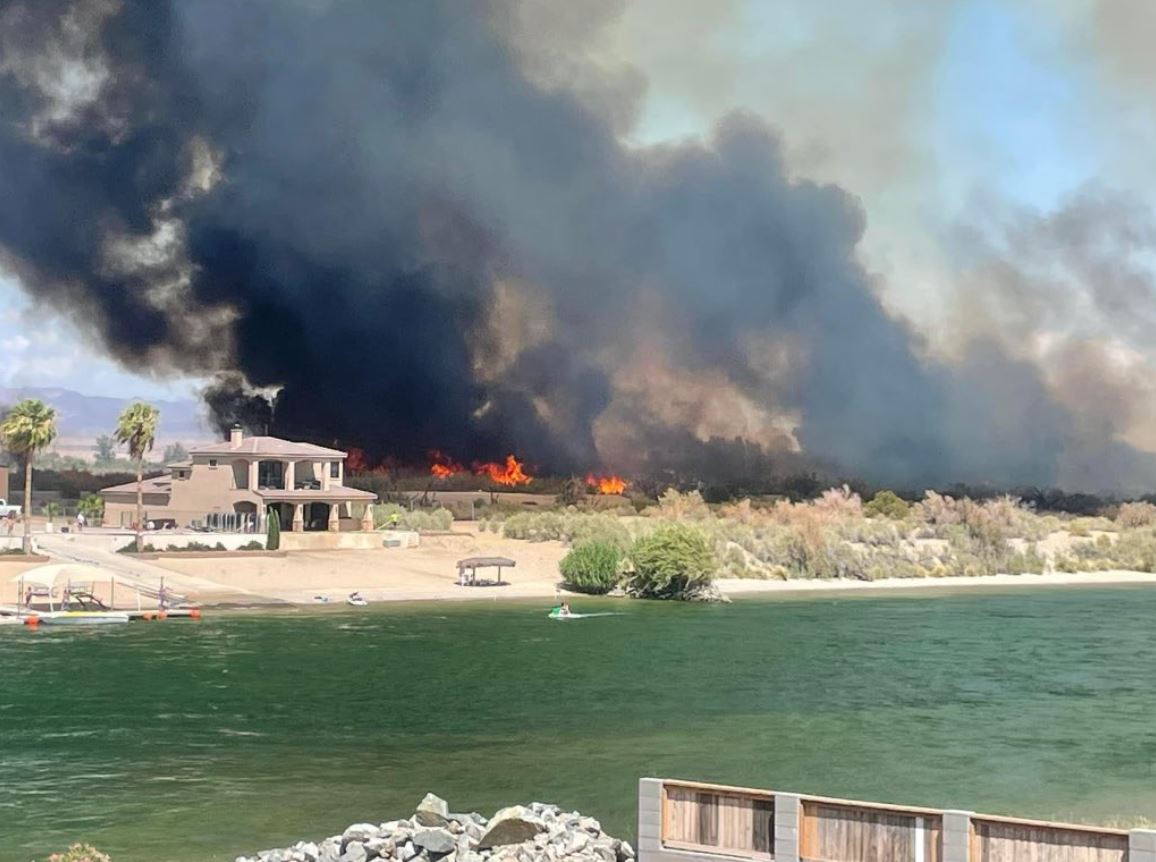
(137, 429)
(28, 428)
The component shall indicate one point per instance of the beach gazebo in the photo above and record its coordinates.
(468, 570)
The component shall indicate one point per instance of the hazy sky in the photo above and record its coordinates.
(944, 119)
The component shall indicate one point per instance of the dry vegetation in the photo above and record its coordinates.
(838, 536)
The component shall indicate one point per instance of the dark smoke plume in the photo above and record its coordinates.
(372, 207)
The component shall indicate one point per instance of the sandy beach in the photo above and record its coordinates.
(428, 573)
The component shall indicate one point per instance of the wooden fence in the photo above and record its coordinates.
(684, 819)
(732, 821)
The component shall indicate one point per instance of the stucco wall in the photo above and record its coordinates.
(210, 489)
(342, 541)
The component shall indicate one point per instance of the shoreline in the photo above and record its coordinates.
(732, 588)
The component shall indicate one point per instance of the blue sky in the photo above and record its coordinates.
(1000, 109)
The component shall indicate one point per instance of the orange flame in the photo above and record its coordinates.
(355, 461)
(509, 474)
(442, 466)
(607, 484)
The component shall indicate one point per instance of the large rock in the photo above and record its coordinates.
(471, 817)
(606, 854)
(435, 839)
(511, 825)
(354, 852)
(432, 811)
(577, 842)
(361, 832)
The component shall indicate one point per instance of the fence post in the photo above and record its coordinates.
(787, 810)
(957, 836)
(649, 819)
(1142, 845)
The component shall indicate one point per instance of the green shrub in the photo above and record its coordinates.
(671, 563)
(569, 526)
(591, 567)
(1136, 514)
(253, 546)
(887, 504)
(418, 520)
(92, 505)
(603, 529)
(131, 548)
(273, 532)
(1026, 562)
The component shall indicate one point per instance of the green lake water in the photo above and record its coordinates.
(185, 741)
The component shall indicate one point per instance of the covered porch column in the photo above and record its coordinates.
(367, 519)
(335, 516)
(298, 518)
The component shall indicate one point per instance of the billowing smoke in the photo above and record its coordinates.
(389, 214)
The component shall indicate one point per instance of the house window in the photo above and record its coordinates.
(271, 474)
(334, 469)
(213, 463)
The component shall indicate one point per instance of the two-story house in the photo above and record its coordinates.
(247, 477)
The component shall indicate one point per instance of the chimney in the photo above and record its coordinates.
(236, 435)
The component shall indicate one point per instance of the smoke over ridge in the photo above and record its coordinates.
(389, 213)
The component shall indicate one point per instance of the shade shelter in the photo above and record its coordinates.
(57, 581)
(468, 570)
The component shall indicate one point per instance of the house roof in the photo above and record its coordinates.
(179, 464)
(339, 493)
(156, 485)
(267, 446)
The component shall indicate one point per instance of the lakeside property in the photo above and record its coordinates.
(427, 572)
(276, 726)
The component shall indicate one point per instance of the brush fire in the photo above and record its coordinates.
(442, 466)
(607, 484)
(510, 474)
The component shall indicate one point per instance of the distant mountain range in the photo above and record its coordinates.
(89, 416)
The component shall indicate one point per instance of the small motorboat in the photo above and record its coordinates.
(321, 599)
(558, 614)
(357, 600)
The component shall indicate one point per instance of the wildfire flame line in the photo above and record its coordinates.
(442, 466)
(607, 484)
(509, 474)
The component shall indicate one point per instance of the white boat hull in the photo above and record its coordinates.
(81, 618)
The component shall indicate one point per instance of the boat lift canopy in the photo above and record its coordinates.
(44, 579)
(50, 575)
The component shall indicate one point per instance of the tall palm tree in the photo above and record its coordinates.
(29, 427)
(137, 429)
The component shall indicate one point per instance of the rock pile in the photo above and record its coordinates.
(521, 833)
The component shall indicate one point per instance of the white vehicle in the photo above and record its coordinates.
(6, 510)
